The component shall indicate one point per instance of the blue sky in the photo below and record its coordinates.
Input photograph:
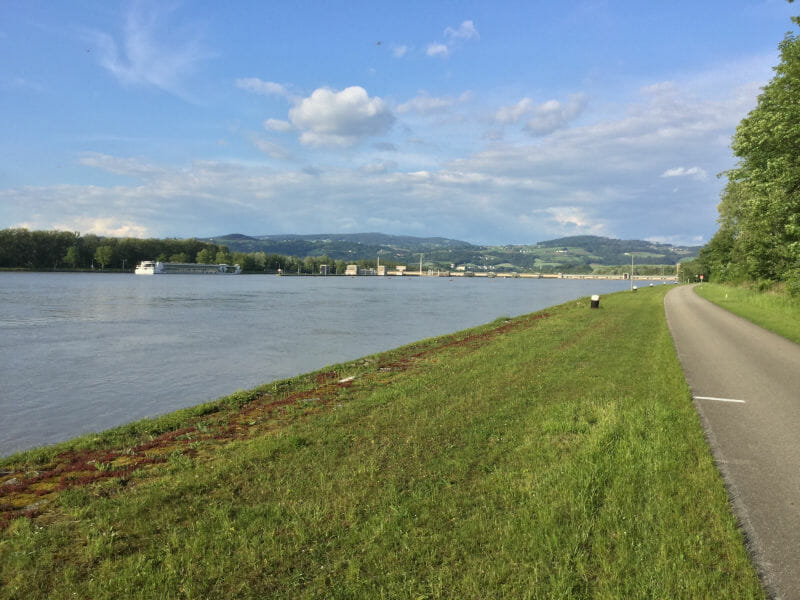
(501, 122)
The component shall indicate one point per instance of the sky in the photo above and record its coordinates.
(490, 122)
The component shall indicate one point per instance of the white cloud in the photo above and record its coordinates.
(119, 166)
(379, 167)
(693, 172)
(399, 51)
(103, 226)
(594, 177)
(543, 118)
(552, 115)
(437, 49)
(425, 104)
(575, 219)
(271, 149)
(264, 88)
(153, 51)
(512, 114)
(330, 118)
(277, 125)
(465, 31)
(678, 240)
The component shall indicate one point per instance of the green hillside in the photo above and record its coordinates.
(570, 254)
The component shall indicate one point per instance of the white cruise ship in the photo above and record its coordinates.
(152, 267)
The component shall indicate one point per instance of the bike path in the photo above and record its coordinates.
(746, 386)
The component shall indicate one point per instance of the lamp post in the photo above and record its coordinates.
(631, 277)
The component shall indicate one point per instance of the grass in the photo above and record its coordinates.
(774, 311)
(553, 455)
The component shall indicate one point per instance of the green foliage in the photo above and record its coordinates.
(46, 250)
(759, 236)
(690, 271)
(72, 258)
(223, 257)
(103, 255)
(793, 285)
(205, 256)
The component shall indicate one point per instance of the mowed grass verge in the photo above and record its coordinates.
(553, 455)
(777, 312)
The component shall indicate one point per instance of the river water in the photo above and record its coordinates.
(85, 352)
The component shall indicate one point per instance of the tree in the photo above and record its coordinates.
(72, 258)
(104, 255)
(260, 260)
(765, 204)
(204, 256)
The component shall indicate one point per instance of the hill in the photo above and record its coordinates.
(568, 254)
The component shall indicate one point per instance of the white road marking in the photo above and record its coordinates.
(719, 399)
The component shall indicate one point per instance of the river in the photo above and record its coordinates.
(85, 352)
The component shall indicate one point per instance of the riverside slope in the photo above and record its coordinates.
(746, 385)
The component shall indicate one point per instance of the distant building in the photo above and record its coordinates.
(356, 270)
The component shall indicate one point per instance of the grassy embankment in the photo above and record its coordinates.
(554, 455)
(777, 312)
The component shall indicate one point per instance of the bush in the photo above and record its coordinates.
(793, 285)
(764, 285)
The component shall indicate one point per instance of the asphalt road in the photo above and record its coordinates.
(746, 385)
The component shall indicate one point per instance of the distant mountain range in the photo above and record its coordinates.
(577, 253)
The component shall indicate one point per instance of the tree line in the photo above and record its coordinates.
(67, 250)
(758, 239)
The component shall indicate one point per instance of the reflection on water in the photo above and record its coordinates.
(84, 352)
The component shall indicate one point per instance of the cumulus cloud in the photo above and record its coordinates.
(426, 104)
(576, 219)
(152, 51)
(465, 31)
(544, 118)
(594, 177)
(277, 125)
(693, 172)
(454, 36)
(552, 115)
(331, 118)
(399, 51)
(264, 88)
(437, 49)
(512, 114)
(104, 226)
